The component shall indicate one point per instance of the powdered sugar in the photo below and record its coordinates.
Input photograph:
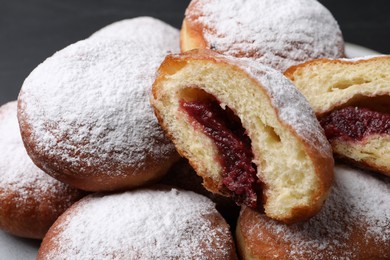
(292, 107)
(143, 224)
(280, 33)
(18, 173)
(147, 30)
(88, 106)
(357, 201)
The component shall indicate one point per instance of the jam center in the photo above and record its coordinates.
(234, 147)
(355, 123)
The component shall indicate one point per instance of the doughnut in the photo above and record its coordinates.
(278, 33)
(142, 224)
(30, 200)
(86, 119)
(147, 30)
(351, 99)
(353, 224)
(247, 132)
(183, 176)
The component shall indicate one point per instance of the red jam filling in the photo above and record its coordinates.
(234, 147)
(355, 123)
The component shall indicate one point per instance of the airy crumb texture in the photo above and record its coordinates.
(143, 224)
(292, 155)
(86, 118)
(353, 224)
(364, 83)
(279, 33)
(328, 83)
(30, 200)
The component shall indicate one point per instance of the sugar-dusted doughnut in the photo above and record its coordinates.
(183, 176)
(351, 98)
(246, 130)
(148, 30)
(279, 33)
(30, 200)
(86, 119)
(142, 224)
(353, 224)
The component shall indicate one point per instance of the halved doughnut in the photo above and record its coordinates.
(246, 130)
(351, 99)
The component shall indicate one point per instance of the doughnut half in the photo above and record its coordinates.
(86, 120)
(351, 99)
(246, 130)
(30, 200)
(278, 33)
(142, 224)
(353, 224)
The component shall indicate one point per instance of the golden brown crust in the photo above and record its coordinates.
(93, 178)
(322, 160)
(191, 37)
(33, 218)
(30, 200)
(257, 247)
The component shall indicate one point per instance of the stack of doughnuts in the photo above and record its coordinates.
(112, 114)
(85, 119)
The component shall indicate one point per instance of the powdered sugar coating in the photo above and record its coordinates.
(144, 224)
(88, 107)
(358, 201)
(18, 172)
(280, 33)
(292, 107)
(147, 30)
(25, 186)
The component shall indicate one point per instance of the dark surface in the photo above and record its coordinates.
(32, 30)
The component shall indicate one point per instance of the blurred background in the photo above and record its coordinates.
(31, 31)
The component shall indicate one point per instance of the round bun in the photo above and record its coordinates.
(353, 224)
(147, 30)
(143, 224)
(351, 99)
(30, 200)
(278, 33)
(246, 130)
(86, 119)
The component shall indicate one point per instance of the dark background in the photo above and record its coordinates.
(32, 30)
